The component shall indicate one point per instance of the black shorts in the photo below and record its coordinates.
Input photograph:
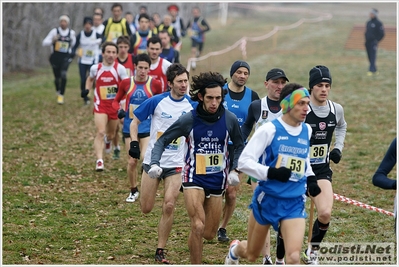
(208, 192)
(140, 135)
(322, 171)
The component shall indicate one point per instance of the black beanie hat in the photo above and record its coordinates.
(319, 74)
(87, 20)
(238, 64)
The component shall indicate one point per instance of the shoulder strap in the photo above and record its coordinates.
(108, 26)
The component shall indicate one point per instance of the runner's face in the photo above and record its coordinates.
(109, 55)
(142, 69)
(63, 24)
(97, 20)
(144, 24)
(123, 48)
(165, 39)
(320, 92)
(116, 12)
(154, 50)
(274, 88)
(240, 77)
(179, 85)
(212, 99)
(300, 110)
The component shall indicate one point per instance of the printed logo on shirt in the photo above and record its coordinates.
(265, 113)
(282, 138)
(209, 133)
(235, 106)
(302, 141)
(322, 125)
(320, 135)
(166, 115)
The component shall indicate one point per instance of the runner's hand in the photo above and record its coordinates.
(155, 171)
(281, 174)
(233, 178)
(313, 187)
(134, 150)
(84, 93)
(335, 155)
(121, 114)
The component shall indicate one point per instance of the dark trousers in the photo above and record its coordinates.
(83, 72)
(371, 48)
(60, 64)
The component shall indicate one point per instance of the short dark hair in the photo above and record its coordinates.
(142, 57)
(116, 5)
(109, 43)
(154, 40)
(123, 39)
(144, 15)
(102, 10)
(288, 89)
(206, 80)
(174, 70)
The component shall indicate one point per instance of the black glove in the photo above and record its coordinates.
(134, 150)
(121, 114)
(313, 187)
(281, 174)
(84, 93)
(335, 155)
(394, 185)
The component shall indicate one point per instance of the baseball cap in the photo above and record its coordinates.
(276, 73)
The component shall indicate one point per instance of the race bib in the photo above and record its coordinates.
(132, 108)
(61, 46)
(108, 92)
(295, 164)
(208, 163)
(89, 53)
(318, 154)
(174, 145)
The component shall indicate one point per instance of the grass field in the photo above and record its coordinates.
(58, 210)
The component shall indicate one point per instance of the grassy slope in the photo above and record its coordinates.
(57, 210)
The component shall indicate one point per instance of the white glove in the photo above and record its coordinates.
(155, 171)
(233, 178)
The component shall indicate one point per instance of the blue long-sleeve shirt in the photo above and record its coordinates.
(380, 177)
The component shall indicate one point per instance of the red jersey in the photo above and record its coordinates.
(158, 74)
(107, 81)
(128, 64)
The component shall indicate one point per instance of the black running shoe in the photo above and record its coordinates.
(222, 236)
(160, 256)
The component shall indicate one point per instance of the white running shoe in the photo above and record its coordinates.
(108, 145)
(229, 260)
(99, 165)
(132, 197)
(310, 257)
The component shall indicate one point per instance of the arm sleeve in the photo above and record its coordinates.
(251, 119)
(235, 136)
(181, 127)
(48, 40)
(206, 26)
(122, 72)
(177, 57)
(340, 129)
(129, 32)
(309, 170)
(73, 38)
(248, 161)
(380, 177)
(255, 95)
(76, 44)
(122, 88)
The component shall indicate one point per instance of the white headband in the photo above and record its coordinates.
(64, 17)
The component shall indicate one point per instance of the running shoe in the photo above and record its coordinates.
(222, 236)
(116, 154)
(310, 257)
(132, 197)
(267, 260)
(60, 99)
(99, 165)
(280, 262)
(229, 258)
(107, 145)
(160, 256)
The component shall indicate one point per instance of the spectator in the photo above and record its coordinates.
(374, 34)
(116, 25)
